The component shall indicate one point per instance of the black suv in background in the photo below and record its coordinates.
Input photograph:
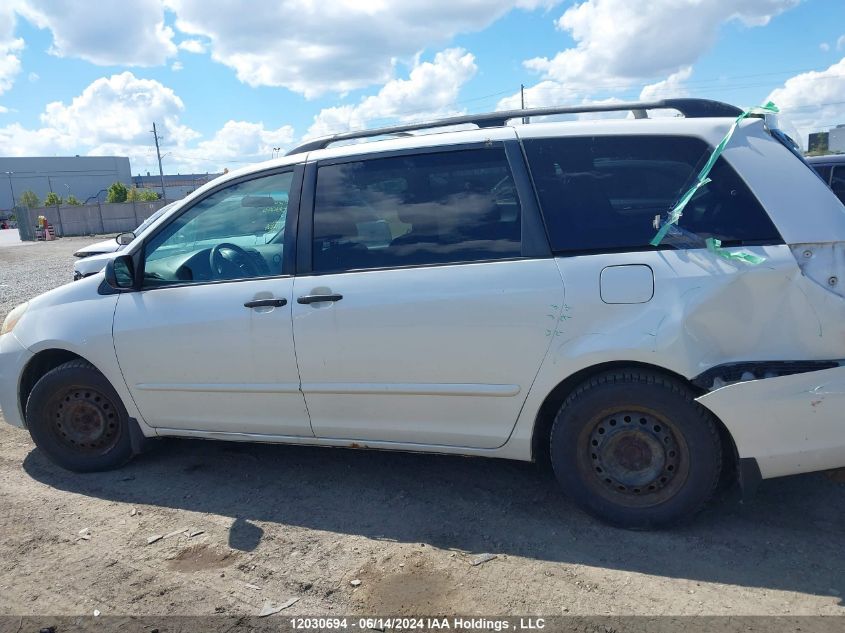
(832, 170)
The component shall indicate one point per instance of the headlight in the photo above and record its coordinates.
(13, 317)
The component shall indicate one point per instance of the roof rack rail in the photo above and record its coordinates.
(690, 108)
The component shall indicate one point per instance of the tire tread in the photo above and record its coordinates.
(673, 385)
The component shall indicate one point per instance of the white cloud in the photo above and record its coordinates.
(114, 116)
(331, 46)
(127, 33)
(192, 46)
(33, 77)
(10, 48)
(236, 142)
(671, 87)
(429, 91)
(620, 44)
(840, 43)
(3, 109)
(120, 108)
(813, 101)
(176, 66)
(17, 140)
(542, 94)
(824, 47)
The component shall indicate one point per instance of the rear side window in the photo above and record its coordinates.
(414, 210)
(609, 193)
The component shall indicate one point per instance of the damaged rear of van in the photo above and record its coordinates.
(744, 300)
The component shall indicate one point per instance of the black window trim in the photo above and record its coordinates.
(644, 248)
(138, 254)
(534, 241)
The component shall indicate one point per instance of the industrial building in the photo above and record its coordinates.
(81, 176)
(176, 186)
(836, 139)
(832, 142)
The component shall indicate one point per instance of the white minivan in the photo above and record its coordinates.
(491, 292)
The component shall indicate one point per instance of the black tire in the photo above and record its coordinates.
(77, 419)
(634, 449)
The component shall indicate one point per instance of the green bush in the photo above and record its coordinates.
(29, 199)
(141, 195)
(52, 200)
(73, 201)
(117, 192)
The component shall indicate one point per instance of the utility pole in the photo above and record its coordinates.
(160, 170)
(522, 99)
(11, 189)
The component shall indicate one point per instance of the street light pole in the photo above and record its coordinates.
(9, 174)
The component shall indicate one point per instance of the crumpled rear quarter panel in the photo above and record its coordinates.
(707, 311)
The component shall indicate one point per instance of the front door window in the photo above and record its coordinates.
(235, 233)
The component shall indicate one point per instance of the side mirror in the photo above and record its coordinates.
(125, 238)
(120, 273)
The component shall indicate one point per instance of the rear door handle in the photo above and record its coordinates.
(266, 303)
(306, 299)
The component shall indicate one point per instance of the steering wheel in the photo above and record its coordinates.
(240, 266)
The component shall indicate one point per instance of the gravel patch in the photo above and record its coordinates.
(30, 269)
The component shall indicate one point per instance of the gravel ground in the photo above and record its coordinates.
(277, 523)
(28, 269)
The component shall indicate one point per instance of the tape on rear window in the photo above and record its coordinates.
(702, 179)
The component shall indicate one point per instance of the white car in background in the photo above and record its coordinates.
(501, 292)
(91, 259)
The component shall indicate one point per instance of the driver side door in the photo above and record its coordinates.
(206, 343)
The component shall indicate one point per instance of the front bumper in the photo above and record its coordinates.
(789, 424)
(13, 359)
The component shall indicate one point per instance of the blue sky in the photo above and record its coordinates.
(78, 77)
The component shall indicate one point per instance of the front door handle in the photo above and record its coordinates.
(266, 303)
(306, 299)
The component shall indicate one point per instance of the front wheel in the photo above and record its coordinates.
(77, 419)
(634, 449)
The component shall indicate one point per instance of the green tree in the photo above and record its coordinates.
(73, 201)
(52, 200)
(117, 192)
(29, 199)
(141, 195)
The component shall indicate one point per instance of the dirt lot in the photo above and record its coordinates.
(280, 522)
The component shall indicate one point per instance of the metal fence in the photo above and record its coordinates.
(87, 219)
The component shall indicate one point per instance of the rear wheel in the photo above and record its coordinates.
(77, 419)
(635, 449)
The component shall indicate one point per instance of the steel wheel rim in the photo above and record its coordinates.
(84, 420)
(636, 458)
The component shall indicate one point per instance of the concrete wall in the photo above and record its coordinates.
(82, 176)
(91, 219)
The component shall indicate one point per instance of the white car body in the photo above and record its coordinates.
(461, 358)
(98, 248)
(93, 264)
